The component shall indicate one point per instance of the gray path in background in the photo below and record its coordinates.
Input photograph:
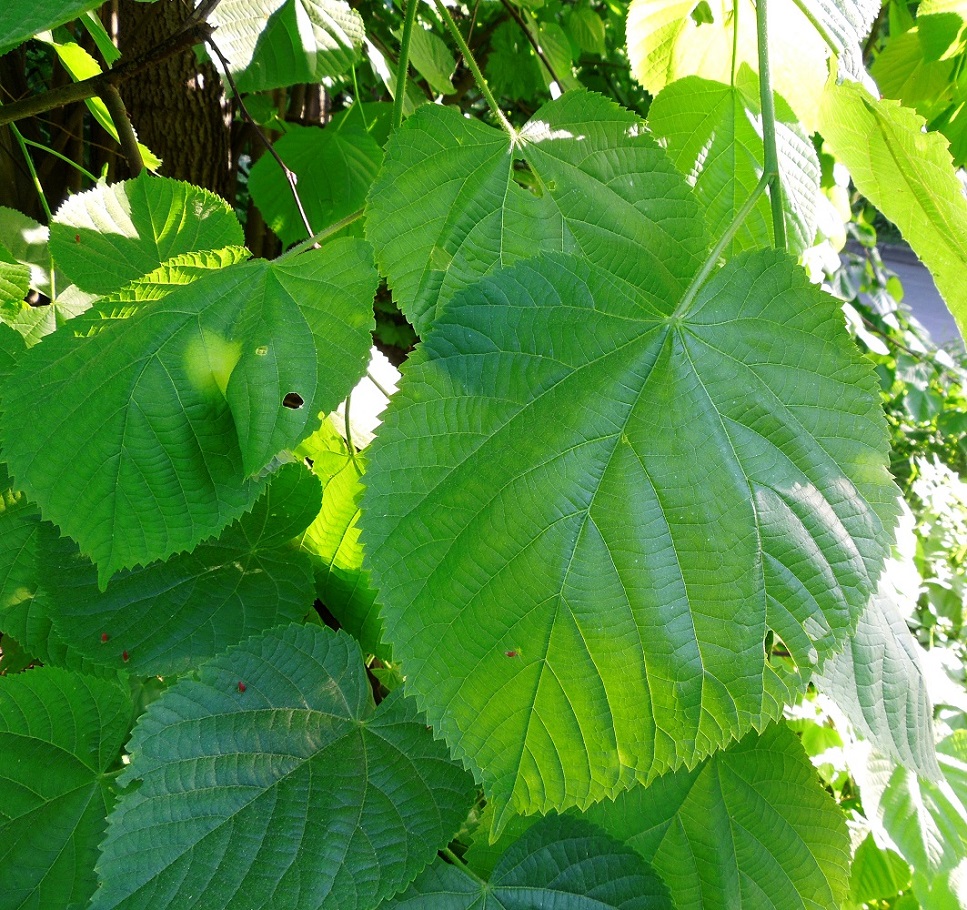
(920, 294)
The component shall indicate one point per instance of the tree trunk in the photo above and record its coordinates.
(178, 109)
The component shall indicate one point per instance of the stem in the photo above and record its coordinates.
(735, 40)
(460, 864)
(320, 236)
(477, 74)
(64, 158)
(122, 123)
(290, 175)
(350, 445)
(519, 19)
(362, 109)
(33, 171)
(403, 67)
(831, 42)
(378, 384)
(713, 257)
(770, 155)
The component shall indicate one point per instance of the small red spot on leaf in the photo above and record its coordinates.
(510, 653)
(124, 656)
(104, 636)
(241, 687)
(77, 238)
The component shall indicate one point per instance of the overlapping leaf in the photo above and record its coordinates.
(713, 133)
(879, 683)
(295, 791)
(141, 432)
(335, 168)
(560, 862)
(447, 209)
(272, 43)
(907, 174)
(586, 509)
(22, 19)
(751, 827)
(59, 735)
(168, 617)
(111, 235)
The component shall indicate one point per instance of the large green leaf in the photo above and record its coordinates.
(907, 174)
(273, 43)
(294, 792)
(60, 733)
(713, 133)
(335, 169)
(586, 510)
(141, 432)
(561, 862)
(878, 681)
(111, 235)
(167, 618)
(447, 210)
(22, 19)
(751, 827)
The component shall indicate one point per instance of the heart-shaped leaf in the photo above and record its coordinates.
(585, 513)
(274, 774)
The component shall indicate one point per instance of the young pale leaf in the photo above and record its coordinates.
(335, 169)
(168, 617)
(584, 513)
(907, 174)
(60, 733)
(274, 43)
(447, 208)
(878, 682)
(713, 133)
(111, 235)
(141, 431)
(14, 283)
(665, 43)
(751, 827)
(332, 541)
(560, 862)
(273, 781)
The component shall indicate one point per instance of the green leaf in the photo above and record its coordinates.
(907, 174)
(332, 540)
(60, 733)
(14, 283)
(447, 210)
(877, 874)
(165, 619)
(575, 480)
(751, 827)
(560, 862)
(878, 682)
(111, 235)
(432, 59)
(148, 423)
(586, 27)
(713, 133)
(335, 169)
(26, 242)
(275, 43)
(296, 789)
(19, 527)
(22, 19)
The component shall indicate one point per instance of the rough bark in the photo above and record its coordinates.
(179, 110)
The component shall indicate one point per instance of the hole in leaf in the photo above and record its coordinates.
(293, 401)
(525, 178)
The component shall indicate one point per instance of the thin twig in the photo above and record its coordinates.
(122, 123)
(33, 171)
(316, 239)
(290, 175)
(519, 19)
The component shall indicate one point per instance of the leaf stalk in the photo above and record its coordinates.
(770, 154)
(403, 67)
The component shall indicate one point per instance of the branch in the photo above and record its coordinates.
(193, 34)
(122, 123)
(533, 41)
